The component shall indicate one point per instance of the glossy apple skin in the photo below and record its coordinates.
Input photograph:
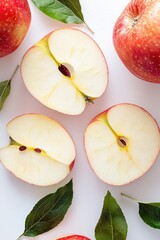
(15, 18)
(74, 237)
(136, 38)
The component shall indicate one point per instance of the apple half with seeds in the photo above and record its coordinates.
(65, 70)
(122, 143)
(40, 151)
(74, 237)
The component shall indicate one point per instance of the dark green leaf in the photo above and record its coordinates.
(150, 213)
(112, 224)
(67, 11)
(5, 88)
(49, 211)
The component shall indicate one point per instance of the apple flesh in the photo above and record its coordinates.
(15, 18)
(122, 143)
(74, 237)
(41, 152)
(136, 38)
(65, 70)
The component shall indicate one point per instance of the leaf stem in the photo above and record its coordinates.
(19, 237)
(134, 199)
(125, 195)
(14, 72)
(89, 28)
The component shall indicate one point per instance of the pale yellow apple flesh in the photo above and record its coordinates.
(49, 151)
(122, 143)
(82, 57)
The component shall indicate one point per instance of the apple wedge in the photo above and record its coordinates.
(74, 237)
(65, 70)
(40, 151)
(122, 143)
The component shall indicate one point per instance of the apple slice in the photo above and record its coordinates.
(122, 143)
(74, 237)
(40, 152)
(65, 70)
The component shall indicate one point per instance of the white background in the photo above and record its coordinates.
(17, 197)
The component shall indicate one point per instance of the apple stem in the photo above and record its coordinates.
(134, 21)
(89, 28)
(125, 195)
(14, 72)
(89, 100)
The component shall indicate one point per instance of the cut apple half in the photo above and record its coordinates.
(74, 237)
(122, 143)
(40, 151)
(65, 70)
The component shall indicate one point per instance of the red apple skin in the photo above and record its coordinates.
(71, 166)
(74, 237)
(136, 38)
(15, 18)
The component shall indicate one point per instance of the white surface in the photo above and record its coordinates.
(17, 197)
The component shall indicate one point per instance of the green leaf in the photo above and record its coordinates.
(67, 11)
(5, 87)
(49, 211)
(150, 214)
(112, 224)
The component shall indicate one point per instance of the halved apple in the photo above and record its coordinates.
(65, 70)
(122, 143)
(74, 237)
(40, 151)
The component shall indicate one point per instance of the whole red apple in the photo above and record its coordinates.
(15, 18)
(74, 237)
(136, 38)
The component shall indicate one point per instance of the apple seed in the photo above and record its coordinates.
(64, 70)
(22, 148)
(38, 150)
(122, 142)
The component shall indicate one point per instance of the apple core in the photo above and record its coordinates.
(122, 141)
